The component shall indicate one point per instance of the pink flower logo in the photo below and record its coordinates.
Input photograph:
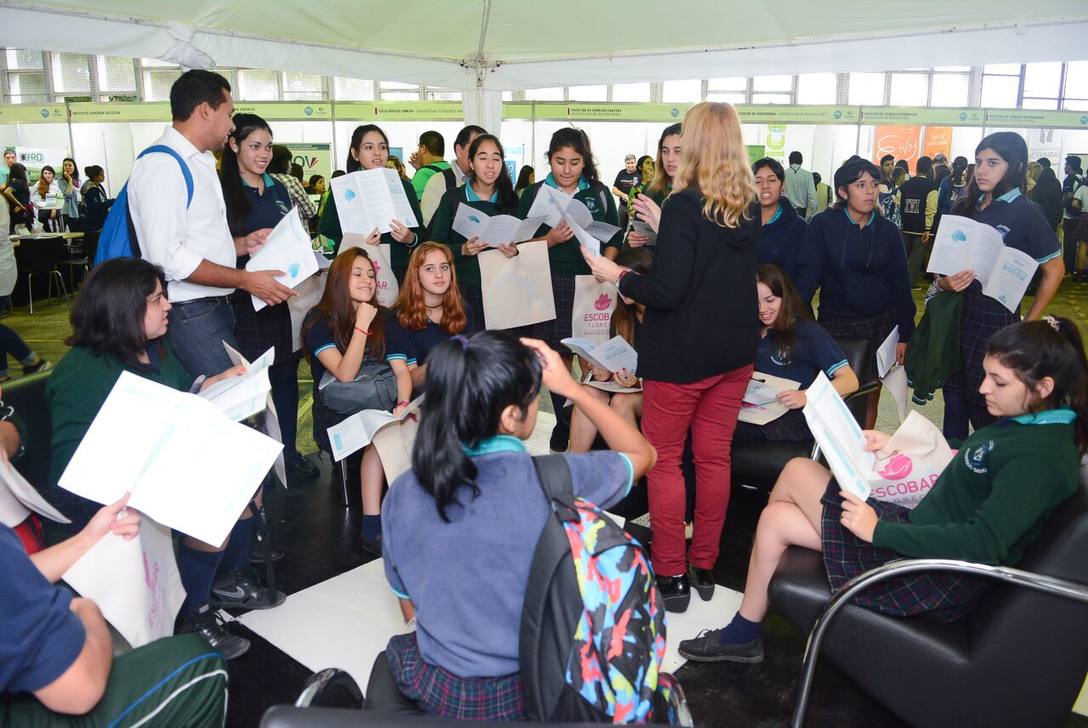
(603, 302)
(377, 266)
(898, 468)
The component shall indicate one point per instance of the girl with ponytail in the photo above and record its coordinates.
(988, 506)
(460, 528)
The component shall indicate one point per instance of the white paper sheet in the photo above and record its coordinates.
(549, 204)
(309, 294)
(371, 198)
(644, 228)
(135, 583)
(187, 465)
(494, 230)
(554, 205)
(962, 243)
(839, 436)
(613, 355)
(245, 395)
(885, 354)
(764, 388)
(517, 291)
(288, 249)
(357, 431)
(270, 423)
(18, 498)
(896, 384)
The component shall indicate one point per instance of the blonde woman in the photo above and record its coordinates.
(698, 340)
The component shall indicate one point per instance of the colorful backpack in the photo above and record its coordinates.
(592, 635)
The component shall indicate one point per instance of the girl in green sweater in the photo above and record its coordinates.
(988, 506)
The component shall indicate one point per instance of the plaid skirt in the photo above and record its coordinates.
(982, 317)
(873, 329)
(553, 332)
(440, 692)
(258, 331)
(943, 596)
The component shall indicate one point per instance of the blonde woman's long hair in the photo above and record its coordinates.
(715, 162)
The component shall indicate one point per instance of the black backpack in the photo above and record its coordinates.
(569, 624)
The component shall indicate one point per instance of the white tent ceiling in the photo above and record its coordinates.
(513, 44)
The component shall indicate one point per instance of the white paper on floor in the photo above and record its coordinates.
(700, 615)
(343, 622)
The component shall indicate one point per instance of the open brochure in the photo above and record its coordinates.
(371, 198)
(760, 402)
(245, 395)
(556, 206)
(611, 386)
(494, 229)
(839, 436)
(18, 498)
(357, 431)
(288, 249)
(613, 355)
(186, 464)
(269, 424)
(963, 244)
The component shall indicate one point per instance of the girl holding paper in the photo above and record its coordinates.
(489, 190)
(345, 337)
(995, 196)
(792, 347)
(658, 185)
(370, 150)
(573, 173)
(698, 341)
(626, 322)
(256, 203)
(987, 506)
(48, 201)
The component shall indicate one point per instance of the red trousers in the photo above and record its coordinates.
(709, 407)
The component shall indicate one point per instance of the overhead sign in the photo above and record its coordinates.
(921, 116)
(33, 114)
(400, 111)
(286, 110)
(120, 111)
(783, 114)
(1014, 118)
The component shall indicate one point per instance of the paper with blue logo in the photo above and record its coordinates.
(357, 431)
(962, 244)
(288, 248)
(614, 355)
(760, 402)
(555, 206)
(839, 437)
(371, 198)
(494, 229)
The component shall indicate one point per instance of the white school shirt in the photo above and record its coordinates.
(171, 236)
(435, 189)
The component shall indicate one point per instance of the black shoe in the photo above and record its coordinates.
(259, 553)
(373, 546)
(675, 591)
(209, 625)
(560, 439)
(707, 647)
(241, 590)
(41, 366)
(300, 467)
(702, 580)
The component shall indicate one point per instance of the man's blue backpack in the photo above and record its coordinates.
(118, 236)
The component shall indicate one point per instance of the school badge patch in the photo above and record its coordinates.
(977, 458)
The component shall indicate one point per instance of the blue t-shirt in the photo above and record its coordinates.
(467, 577)
(813, 351)
(40, 638)
(413, 345)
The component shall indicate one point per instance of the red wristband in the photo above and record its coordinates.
(623, 272)
(403, 403)
(362, 331)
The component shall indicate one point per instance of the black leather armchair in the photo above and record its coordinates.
(758, 465)
(1018, 659)
(27, 396)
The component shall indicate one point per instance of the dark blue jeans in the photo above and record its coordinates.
(196, 334)
(959, 412)
(11, 343)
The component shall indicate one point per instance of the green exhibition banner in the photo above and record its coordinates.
(33, 114)
(1030, 118)
(783, 114)
(400, 111)
(120, 111)
(313, 158)
(749, 114)
(920, 116)
(756, 152)
(287, 110)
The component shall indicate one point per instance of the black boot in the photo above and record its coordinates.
(675, 591)
(702, 580)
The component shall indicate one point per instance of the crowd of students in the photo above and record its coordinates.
(722, 287)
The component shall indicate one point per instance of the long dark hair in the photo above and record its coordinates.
(75, 171)
(1051, 347)
(237, 200)
(335, 307)
(469, 384)
(18, 172)
(108, 314)
(43, 186)
(662, 182)
(625, 318)
(508, 199)
(791, 310)
(353, 164)
(850, 172)
(524, 178)
(1011, 147)
(576, 139)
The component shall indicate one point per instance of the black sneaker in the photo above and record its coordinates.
(209, 625)
(707, 647)
(41, 366)
(676, 592)
(260, 552)
(373, 546)
(300, 467)
(241, 590)
(702, 581)
(560, 439)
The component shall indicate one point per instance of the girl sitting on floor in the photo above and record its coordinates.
(988, 505)
(345, 341)
(461, 527)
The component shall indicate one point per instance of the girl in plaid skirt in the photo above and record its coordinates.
(988, 505)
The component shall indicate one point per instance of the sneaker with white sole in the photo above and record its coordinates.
(209, 625)
(241, 590)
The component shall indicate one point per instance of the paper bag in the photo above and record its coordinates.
(517, 291)
(309, 294)
(388, 285)
(594, 304)
(915, 456)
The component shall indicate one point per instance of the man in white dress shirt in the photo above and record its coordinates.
(193, 244)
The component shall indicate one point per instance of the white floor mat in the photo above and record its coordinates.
(346, 621)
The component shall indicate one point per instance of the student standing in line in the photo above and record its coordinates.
(48, 201)
(438, 184)
(488, 189)
(574, 173)
(370, 150)
(856, 259)
(647, 205)
(96, 203)
(783, 230)
(792, 346)
(69, 190)
(257, 202)
(988, 506)
(345, 340)
(995, 197)
(694, 374)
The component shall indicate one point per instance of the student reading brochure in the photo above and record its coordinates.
(963, 244)
(370, 199)
(494, 229)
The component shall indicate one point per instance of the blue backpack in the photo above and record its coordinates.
(118, 236)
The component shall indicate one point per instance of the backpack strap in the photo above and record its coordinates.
(553, 472)
(185, 172)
